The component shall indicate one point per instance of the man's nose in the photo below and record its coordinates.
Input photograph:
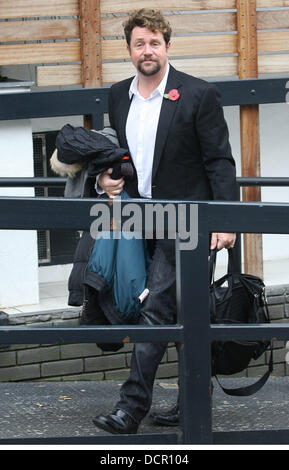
(147, 49)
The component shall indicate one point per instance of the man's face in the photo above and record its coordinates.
(148, 51)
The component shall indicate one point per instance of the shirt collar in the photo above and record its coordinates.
(160, 89)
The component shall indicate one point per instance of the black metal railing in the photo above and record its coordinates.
(93, 102)
(58, 181)
(194, 332)
(241, 182)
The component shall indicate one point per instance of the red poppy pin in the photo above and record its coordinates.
(172, 95)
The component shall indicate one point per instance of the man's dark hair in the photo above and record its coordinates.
(150, 19)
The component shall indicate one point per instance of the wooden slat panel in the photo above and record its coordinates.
(273, 19)
(208, 67)
(114, 49)
(181, 24)
(39, 53)
(124, 6)
(275, 63)
(181, 46)
(59, 75)
(30, 8)
(200, 45)
(275, 41)
(114, 72)
(203, 22)
(272, 3)
(39, 30)
(201, 67)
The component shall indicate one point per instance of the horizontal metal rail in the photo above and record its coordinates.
(90, 334)
(250, 332)
(117, 439)
(94, 101)
(136, 333)
(64, 213)
(57, 181)
(32, 182)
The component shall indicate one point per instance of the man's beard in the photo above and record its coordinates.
(152, 71)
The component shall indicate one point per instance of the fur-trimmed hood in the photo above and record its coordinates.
(64, 169)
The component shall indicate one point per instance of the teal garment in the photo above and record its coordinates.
(124, 264)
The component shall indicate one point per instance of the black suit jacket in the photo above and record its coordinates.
(192, 158)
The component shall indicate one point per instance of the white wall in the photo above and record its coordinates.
(18, 248)
(274, 144)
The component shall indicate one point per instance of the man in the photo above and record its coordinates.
(174, 127)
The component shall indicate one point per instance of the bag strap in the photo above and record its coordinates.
(253, 388)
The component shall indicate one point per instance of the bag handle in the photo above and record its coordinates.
(212, 268)
(212, 265)
(213, 261)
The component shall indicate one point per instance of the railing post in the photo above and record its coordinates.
(195, 352)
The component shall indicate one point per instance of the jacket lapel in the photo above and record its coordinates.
(124, 110)
(168, 110)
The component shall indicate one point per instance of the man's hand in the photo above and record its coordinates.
(222, 240)
(111, 187)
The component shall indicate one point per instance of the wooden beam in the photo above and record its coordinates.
(90, 43)
(276, 19)
(114, 49)
(39, 30)
(90, 32)
(126, 6)
(181, 24)
(47, 52)
(249, 126)
(272, 3)
(36, 8)
(273, 63)
(53, 75)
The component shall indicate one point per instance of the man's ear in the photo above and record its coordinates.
(168, 46)
(128, 48)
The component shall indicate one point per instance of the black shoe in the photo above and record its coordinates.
(119, 422)
(169, 418)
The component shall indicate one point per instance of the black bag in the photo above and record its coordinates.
(237, 299)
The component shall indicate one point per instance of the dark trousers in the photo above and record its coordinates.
(158, 309)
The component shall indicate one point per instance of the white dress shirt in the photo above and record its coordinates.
(141, 130)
